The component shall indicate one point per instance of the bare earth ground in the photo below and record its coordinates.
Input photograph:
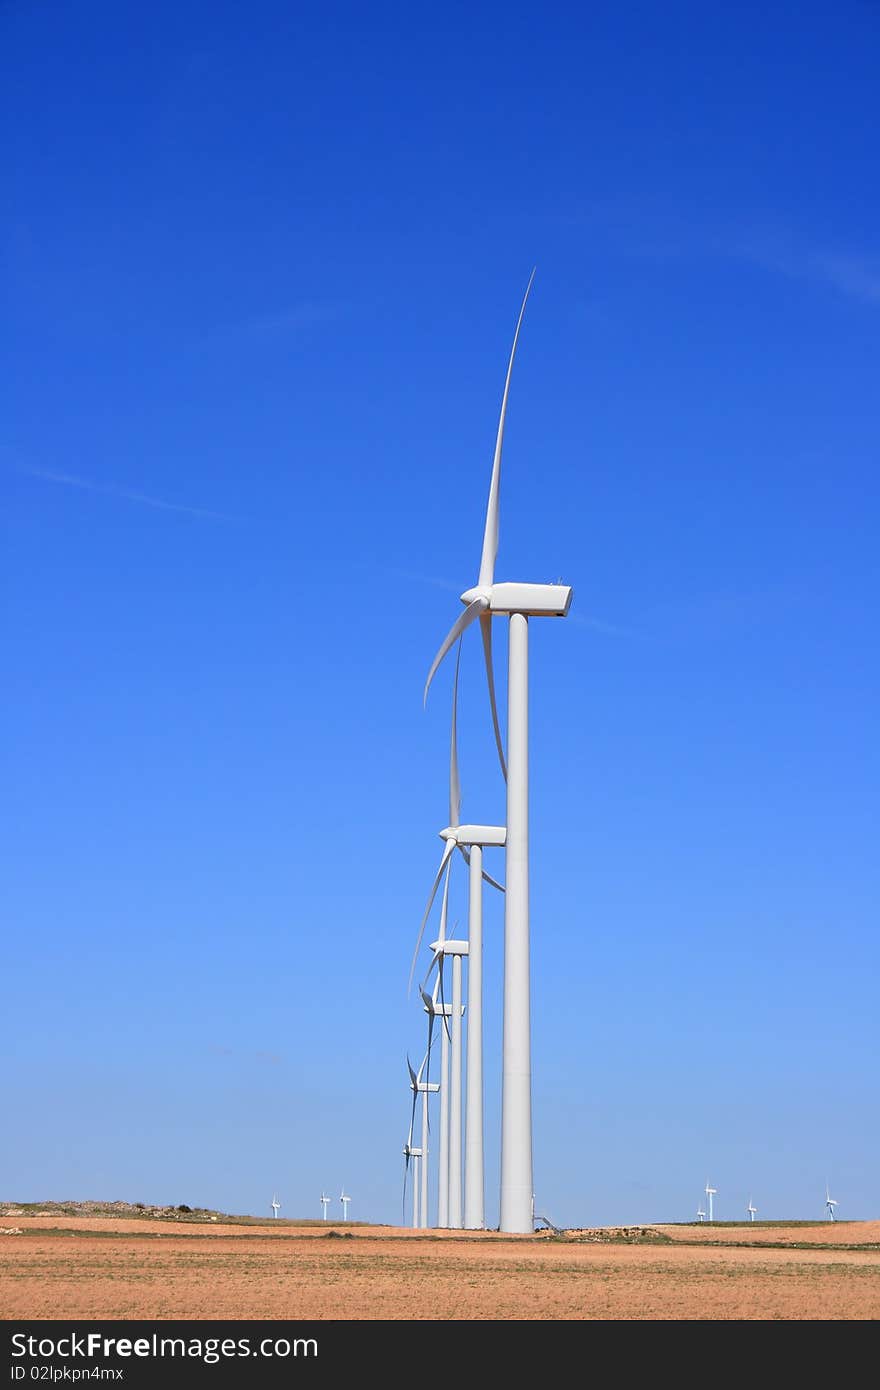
(89, 1267)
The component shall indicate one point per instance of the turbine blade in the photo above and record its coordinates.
(447, 851)
(443, 998)
(412, 1076)
(428, 1055)
(490, 535)
(444, 902)
(412, 1121)
(470, 613)
(486, 631)
(454, 781)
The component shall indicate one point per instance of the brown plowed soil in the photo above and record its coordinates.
(106, 1268)
(824, 1233)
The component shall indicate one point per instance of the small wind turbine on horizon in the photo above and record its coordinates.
(276, 1205)
(325, 1202)
(345, 1201)
(710, 1193)
(701, 1215)
(751, 1209)
(830, 1203)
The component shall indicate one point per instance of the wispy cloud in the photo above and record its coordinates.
(852, 275)
(599, 625)
(855, 276)
(270, 328)
(124, 494)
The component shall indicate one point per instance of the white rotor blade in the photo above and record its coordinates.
(467, 617)
(486, 633)
(444, 901)
(490, 535)
(424, 1064)
(448, 847)
(488, 877)
(454, 780)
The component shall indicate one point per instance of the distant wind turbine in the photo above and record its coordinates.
(751, 1209)
(276, 1205)
(419, 1155)
(710, 1193)
(701, 1215)
(345, 1201)
(436, 1007)
(830, 1204)
(470, 840)
(325, 1202)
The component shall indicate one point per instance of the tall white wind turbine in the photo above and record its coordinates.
(470, 840)
(325, 1202)
(276, 1205)
(710, 1193)
(518, 602)
(751, 1209)
(345, 1201)
(830, 1203)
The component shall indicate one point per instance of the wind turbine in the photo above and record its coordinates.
(701, 1215)
(276, 1205)
(518, 602)
(423, 1089)
(345, 1201)
(457, 950)
(710, 1193)
(751, 1209)
(436, 1007)
(325, 1202)
(470, 840)
(830, 1204)
(415, 1154)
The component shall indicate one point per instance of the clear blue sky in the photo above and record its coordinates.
(261, 267)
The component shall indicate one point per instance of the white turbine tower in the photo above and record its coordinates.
(325, 1202)
(751, 1209)
(345, 1201)
(710, 1193)
(518, 602)
(701, 1215)
(470, 840)
(276, 1205)
(830, 1203)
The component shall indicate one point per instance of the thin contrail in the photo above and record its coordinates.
(126, 494)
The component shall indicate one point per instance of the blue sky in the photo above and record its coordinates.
(261, 267)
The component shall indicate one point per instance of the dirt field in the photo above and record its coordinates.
(105, 1268)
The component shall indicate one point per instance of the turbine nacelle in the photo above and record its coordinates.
(481, 835)
(450, 948)
(534, 600)
(439, 1010)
